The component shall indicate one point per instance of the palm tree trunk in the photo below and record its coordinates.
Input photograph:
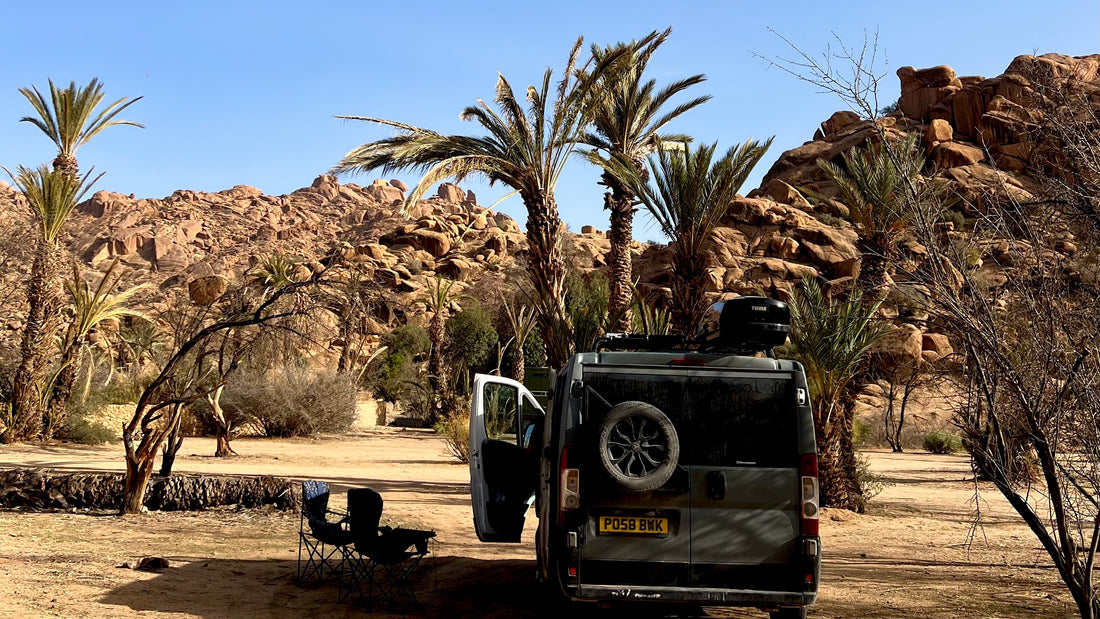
(43, 296)
(517, 369)
(874, 278)
(436, 369)
(546, 268)
(841, 485)
(620, 234)
(67, 164)
(874, 282)
(689, 291)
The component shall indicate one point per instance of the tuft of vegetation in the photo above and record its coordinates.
(861, 432)
(470, 342)
(292, 401)
(456, 430)
(956, 218)
(942, 443)
(77, 429)
(872, 484)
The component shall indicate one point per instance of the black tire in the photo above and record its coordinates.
(638, 446)
(798, 612)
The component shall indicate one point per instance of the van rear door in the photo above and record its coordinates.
(744, 482)
(504, 444)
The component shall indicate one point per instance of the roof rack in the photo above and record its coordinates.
(637, 341)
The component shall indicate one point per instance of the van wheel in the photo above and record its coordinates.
(638, 446)
(798, 612)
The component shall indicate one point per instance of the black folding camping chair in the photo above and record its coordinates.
(322, 544)
(380, 559)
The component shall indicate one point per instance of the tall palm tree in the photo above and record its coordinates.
(875, 187)
(626, 125)
(831, 337)
(69, 118)
(438, 300)
(525, 149)
(91, 307)
(688, 195)
(52, 196)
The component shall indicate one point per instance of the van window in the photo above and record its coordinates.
(721, 420)
(501, 406)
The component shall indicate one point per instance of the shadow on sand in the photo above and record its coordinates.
(446, 586)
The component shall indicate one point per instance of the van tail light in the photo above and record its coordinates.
(811, 501)
(570, 482)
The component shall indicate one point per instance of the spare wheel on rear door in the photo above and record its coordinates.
(638, 446)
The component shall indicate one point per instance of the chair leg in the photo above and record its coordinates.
(359, 572)
(314, 559)
(397, 581)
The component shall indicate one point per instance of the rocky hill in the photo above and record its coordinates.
(974, 130)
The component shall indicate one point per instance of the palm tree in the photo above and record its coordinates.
(438, 301)
(52, 196)
(831, 338)
(688, 195)
(875, 188)
(525, 149)
(522, 320)
(67, 118)
(91, 306)
(626, 126)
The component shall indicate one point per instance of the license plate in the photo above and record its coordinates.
(633, 525)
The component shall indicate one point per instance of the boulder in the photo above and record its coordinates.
(938, 130)
(837, 123)
(326, 186)
(456, 269)
(922, 90)
(206, 290)
(899, 350)
(967, 106)
(383, 192)
(399, 185)
(952, 155)
(937, 343)
(450, 192)
(435, 243)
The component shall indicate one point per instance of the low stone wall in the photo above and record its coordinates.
(46, 489)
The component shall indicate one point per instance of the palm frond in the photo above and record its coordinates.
(52, 195)
(67, 118)
(92, 306)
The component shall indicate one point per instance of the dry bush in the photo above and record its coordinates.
(456, 429)
(293, 401)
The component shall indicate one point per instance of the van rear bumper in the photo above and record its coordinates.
(702, 595)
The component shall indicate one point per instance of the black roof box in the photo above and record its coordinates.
(746, 324)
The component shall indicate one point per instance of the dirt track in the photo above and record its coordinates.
(907, 558)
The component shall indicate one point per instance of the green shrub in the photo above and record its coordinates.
(830, 220)
(408, 340)
(77, 428)
(872, 484)
(292, 401)
(942, 443)
(471, 339)
(956, 218)
(861, 432)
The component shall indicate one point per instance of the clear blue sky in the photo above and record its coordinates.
(245, 92)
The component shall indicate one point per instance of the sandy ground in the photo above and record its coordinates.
(909, 557)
